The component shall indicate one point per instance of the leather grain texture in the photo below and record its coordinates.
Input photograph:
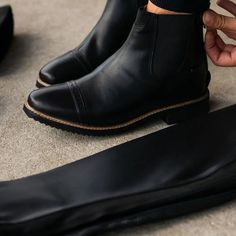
(106, 38)
(156, 67)
(193, 160)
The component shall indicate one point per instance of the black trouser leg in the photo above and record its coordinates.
(189, 6)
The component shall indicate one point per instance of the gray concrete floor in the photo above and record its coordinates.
(45, 29)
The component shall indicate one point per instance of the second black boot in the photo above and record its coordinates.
(105, 39)
(6, 29)
(160, 72)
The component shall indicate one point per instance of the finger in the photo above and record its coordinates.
(212, 48)
(219, 42)
(216, 21)
(222, 45)
(220, 56)
(227, 58)
(228, 5)
(230, 34)
(229, 48)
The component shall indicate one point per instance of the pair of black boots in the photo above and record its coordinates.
(126, 72)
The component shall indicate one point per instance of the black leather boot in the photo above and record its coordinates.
(161, 71)
(6, 29)
(105, 39)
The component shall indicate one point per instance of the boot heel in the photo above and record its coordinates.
(188, 112)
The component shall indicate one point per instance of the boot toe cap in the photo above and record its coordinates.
(55, 101)
(62, 69)
(52, 73)
(46, 77)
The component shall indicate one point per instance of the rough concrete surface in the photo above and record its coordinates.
(45, 29)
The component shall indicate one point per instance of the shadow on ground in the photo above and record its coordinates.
(23, 46)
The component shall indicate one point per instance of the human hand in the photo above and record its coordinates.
(220, 53)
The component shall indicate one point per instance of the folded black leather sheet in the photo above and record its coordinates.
(191, 165)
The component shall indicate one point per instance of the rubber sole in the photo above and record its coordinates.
(170, 114)
(41, 84)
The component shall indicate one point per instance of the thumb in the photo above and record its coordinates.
(214, 20)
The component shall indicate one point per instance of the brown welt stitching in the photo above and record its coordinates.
(80, 126)
(43, 83)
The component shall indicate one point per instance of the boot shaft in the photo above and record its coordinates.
(110, 32)
(121, 6)
(179, 45)
(172, 48)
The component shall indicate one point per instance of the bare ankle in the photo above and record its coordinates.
(161, 11)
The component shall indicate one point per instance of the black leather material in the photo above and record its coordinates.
(193, 160)
(64, 100)
(106, 38)
(162, 63)
(6, 29)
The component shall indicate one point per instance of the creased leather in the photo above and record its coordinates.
(191, 160)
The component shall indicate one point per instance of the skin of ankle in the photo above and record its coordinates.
(161, 11)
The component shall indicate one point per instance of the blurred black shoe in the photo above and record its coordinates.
(6, 29)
